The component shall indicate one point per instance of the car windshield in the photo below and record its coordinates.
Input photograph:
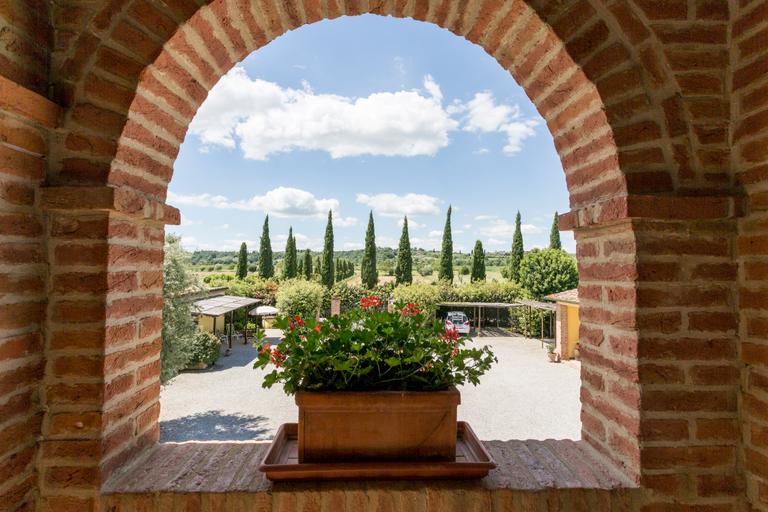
(457, 319)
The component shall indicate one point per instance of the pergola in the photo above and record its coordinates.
(221, 305)
(478, 308)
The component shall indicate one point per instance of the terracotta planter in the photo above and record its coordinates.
(377, 426)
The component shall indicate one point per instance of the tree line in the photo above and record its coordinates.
(330, 270)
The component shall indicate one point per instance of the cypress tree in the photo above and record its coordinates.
(517, 251)
(242, 262)
(339, 271)
(318, 265)
(404, 265)
(478, 263)
(289, 262)
(446, 256)
(266, 269)
(327, 271)
(554, 235)
(300, 267)
(308, 264)
(368, 273)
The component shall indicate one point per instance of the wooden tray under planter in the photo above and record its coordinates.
(281, 462)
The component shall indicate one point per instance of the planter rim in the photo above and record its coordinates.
(303, 397)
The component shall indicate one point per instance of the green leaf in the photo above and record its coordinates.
(392, 361)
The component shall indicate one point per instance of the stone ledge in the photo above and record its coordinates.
(530, 466)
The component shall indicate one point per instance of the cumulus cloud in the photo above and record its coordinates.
(412, 224)
(500, 229)
(393, 205)
(484, 115)
(265, 118)
(281, 202)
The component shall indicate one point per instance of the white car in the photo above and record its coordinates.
(457, 320)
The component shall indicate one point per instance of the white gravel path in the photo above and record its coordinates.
(522, 397)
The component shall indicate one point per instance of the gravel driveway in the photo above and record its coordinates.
(522, 397)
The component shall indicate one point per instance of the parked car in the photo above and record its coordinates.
(457, 320)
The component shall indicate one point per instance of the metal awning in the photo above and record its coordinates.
(217, 306)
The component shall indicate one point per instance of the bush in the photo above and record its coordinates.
(205, 349)
(482, 291)
(529, 322)
(425, 295)
(547, 271)
(300, 297)
(349, 295)
(178, 325)
(426, 270)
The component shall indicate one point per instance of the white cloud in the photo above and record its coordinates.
(224, 226)
(393, 205)
(485, 217)
(467, 226)
(481, 151)
(484, 115)
(265, 118)
(280, 202)
(497, 242)
(435, 233)
(412, 224)
(186, 221)
(501, 229)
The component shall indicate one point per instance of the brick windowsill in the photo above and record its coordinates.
(529, 466)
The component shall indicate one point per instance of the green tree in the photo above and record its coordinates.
(478, 263)
(179, 327)
(318, 265)
(289, 261)
(369, 275)
(242, 262)
(266, 268)
(327, 271)
(516, 256)
(308, 264)
(446, 256)
(404, 265)
(554, 235)
(547, 271)
(300, 267)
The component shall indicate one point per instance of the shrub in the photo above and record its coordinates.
(547, 271)
(349, 295)
(178, 325)
(426, 295)
(300, 297)
(483, 291)
(204, 349)
(426, 270)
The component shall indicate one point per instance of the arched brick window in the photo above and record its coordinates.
(634, 95)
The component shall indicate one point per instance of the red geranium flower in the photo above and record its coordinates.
(410, 309)
(317, 329)
(370, 302)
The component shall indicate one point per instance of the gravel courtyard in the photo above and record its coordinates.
(522, 397)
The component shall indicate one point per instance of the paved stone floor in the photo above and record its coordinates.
(522, 397)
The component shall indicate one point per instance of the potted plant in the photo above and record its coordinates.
(553, 356)
(373, 385)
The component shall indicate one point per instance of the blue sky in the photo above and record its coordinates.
(363, 113)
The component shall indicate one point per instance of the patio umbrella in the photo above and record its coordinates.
(263, 311)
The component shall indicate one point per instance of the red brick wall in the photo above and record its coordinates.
(750, 159)
(25, 119)
(637, 96)
(25, 43)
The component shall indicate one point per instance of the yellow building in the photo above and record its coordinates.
(566, 322)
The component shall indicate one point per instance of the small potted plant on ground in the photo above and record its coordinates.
(374, 385)
(553, 356)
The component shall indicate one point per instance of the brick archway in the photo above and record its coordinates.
(638, 172)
